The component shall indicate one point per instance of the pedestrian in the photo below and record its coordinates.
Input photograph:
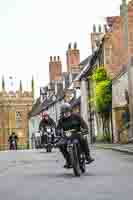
(13, 141)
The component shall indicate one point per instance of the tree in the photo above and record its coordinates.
(103, 98)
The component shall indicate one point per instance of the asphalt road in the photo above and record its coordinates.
(35, 175)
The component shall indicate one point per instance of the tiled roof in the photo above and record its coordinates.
(85, 61)
(39, 107)
(85, 67)
(36, 109)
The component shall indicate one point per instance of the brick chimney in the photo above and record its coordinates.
(96, 36)
(73, 58)
(55, 69)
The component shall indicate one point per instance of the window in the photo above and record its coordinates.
(18, 119)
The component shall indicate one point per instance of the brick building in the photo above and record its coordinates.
(115, 56)
(115, 59)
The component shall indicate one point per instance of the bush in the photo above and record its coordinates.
(103, 91)
(99, 75)
(103, 96)
(103, 138)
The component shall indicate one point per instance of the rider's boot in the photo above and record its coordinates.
(88, 158)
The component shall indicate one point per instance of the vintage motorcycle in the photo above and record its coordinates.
(76, 154)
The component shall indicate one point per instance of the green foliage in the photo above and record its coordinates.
(103, 138)
(103, 96)
(102, 101)
(103, 91)
(99, 75)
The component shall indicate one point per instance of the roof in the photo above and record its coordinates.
(85, 61)
(37, 107)
(85, 64)
(91, 62)
(51, 102)
(40, 107)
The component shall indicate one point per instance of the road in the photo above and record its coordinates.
(36, 175)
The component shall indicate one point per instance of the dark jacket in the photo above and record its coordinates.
(44, 123)
(13, 138)
(75, 121)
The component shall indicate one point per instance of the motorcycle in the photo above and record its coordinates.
(48, 133)
(77, 156)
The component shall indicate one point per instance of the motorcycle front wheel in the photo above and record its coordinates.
(75, 161)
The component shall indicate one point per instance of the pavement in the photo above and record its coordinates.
(124, 148)
(36, 175)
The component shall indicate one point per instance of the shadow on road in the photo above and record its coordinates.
(65, 175)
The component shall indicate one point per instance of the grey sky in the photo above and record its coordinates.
(33, 30)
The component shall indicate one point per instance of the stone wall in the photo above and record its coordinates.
(119, 105)
(119, 86)
(14, 111)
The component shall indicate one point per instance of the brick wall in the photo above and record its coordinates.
(116, 57)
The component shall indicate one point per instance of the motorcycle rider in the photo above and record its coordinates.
(69, 121)
(13, 138)
(46, 121)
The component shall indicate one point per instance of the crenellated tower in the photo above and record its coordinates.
(14, 109)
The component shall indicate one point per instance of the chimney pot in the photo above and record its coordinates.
(75, 45)
(94, 28)
(99, 28)
(50, 58)
(58, 58)
(54, 58)
(69, 46)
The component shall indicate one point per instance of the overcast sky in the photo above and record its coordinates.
(33, 30)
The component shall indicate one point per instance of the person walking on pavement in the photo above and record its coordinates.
(13, 141)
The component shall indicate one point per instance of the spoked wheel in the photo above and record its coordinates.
(75, 161)
(83, 166)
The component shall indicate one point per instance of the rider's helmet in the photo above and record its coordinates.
(65, 108)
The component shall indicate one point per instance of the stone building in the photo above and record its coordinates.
(14, 109)
(119, 106)
(117, 59)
